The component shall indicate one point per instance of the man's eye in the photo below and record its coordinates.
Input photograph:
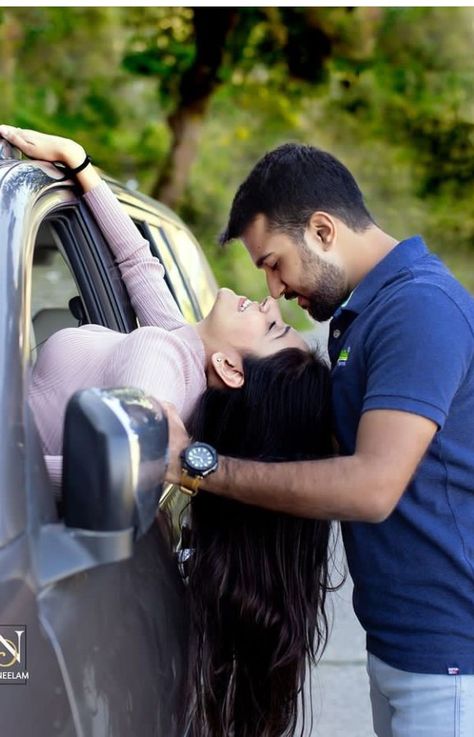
(274, 266)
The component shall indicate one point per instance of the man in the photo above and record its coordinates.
(401, 347)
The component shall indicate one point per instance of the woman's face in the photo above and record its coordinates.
(251, 327)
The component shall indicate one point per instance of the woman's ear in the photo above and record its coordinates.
(230, 372)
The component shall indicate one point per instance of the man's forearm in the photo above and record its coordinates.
(365, 486)
(337, 488)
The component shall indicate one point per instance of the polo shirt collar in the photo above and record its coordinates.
(402, 256)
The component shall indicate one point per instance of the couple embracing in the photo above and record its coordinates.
(260, 412)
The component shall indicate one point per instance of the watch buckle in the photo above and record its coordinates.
(190, 484)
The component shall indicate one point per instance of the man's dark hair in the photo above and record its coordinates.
(288, 185)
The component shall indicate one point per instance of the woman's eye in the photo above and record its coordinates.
(272, 325)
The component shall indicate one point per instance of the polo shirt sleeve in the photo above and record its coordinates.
(418, 354)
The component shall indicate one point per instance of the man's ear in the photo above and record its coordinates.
(229, 371)
(323, 227)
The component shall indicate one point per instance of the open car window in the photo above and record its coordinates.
(74, 277)
(54, 292)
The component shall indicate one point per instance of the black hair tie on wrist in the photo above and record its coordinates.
(69, 171)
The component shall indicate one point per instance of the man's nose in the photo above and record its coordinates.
(275, 284)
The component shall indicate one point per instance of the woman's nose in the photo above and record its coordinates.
(266, 304)
(270, 306)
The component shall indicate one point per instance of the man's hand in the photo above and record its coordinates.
(42, 146)
(178, 441)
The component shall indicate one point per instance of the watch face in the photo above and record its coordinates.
(200, 457)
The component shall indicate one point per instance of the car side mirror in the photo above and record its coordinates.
(114, 460)
(115, 453)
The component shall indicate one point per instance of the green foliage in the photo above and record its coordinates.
(161, 47)
(427, 84)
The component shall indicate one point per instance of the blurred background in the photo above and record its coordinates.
(180, 102)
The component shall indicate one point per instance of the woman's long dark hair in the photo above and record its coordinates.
(258, 579)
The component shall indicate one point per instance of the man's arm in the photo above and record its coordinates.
(365, 486)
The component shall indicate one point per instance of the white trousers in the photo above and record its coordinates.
(420, 704)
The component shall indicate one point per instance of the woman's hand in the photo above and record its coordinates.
(42, 146)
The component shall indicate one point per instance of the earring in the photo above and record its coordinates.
(218, 360)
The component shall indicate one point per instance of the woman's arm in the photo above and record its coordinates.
(141, 272)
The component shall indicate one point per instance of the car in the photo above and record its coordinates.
(94, 622)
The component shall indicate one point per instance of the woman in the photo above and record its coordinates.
(258, 579)
(166, 357)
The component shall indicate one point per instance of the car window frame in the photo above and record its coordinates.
(164, 234)
(159, 249)
(115, 309)
(92, 265)
(144, 218)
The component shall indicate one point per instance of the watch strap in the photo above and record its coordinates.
(190, 485)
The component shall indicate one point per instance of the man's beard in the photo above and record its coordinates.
(332, 290)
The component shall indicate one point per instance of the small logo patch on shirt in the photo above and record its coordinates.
(343, 356)
(453, 671)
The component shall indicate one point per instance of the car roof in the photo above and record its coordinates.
(127, 194)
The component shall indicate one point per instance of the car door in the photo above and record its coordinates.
(102, 641)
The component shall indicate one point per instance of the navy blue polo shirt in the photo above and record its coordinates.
(404, 341)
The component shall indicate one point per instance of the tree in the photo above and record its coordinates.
(211, 28)
(212, 46)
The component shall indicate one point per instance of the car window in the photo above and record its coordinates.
(53, 284)
(53, 287)
(194, 266)
(181, 293)
(187, 272)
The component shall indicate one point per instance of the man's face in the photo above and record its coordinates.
(301, 270)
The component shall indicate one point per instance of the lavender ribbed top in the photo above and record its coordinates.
(164, 356)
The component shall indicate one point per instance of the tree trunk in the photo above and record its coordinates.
(186, 125)
(211, 27)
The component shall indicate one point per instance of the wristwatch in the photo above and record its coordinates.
(198, 460)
